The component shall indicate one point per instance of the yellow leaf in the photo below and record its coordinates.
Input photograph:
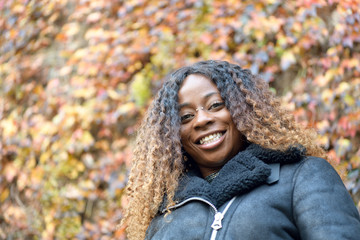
(71, 29)
(113, 94)
(94, 17)
(87, 185)
(36, 176)
(22, 181)
(327, 96)
(69, 122)
(18, 8)
(355, 161)
(323, 141)
(80, 166)
(349, 100)
(85, 92)
(48, 128)
(259, 34)
(50, 229)
(329, 75)
(14, 214)
(72, 192)
(92, 71)
(125, 108)
(80, 53)
(102, 144)
(287, 59)
(78, 81)
(87, 139)
(342, 146)
(5, 68)
(94, 33)
(331, 51)
(38, 90)
(282, 41)
(31, 162)
(343, 87)
(45, 156)
(45, 143)
(354, 62)
(323, 125)
(324, 80)
(65, 70)
(140, 89)
(4, 194)
(9, 128)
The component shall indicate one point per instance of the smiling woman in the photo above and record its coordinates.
(208, 133)
(218, 158)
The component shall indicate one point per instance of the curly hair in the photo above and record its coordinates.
(158, 156)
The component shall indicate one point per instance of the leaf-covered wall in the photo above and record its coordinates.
(76, 77)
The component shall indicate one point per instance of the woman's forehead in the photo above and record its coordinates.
(196, 87)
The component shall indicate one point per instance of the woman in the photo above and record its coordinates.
(218, 158)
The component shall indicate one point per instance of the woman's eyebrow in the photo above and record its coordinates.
(210, 94)
(183, 105)
(205, 97)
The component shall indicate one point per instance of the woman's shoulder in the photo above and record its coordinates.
(316, 166)
(323, 209)
(311, 171)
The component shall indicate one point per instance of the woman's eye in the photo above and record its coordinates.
(216, 105)
(186, 117)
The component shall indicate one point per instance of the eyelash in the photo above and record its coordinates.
(185, 117)
(215, 105)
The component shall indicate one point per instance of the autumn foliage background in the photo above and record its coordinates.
(76, 77)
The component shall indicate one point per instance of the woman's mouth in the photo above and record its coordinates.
(211, 141)
(210, 138)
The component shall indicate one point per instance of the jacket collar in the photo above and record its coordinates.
(249, 169)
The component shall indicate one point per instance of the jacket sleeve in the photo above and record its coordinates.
(322, 207)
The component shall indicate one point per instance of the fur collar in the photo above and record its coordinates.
(246, 171)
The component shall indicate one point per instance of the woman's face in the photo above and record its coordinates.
(208, 133)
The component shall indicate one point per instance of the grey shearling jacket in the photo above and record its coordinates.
(262, 194)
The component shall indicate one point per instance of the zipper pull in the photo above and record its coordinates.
(216, 225)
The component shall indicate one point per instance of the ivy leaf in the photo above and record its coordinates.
(287, 59)
(342, 147)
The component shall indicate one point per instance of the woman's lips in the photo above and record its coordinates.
(213, 144)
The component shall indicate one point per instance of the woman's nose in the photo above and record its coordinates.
(202, 118)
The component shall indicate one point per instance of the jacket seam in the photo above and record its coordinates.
(294, 180)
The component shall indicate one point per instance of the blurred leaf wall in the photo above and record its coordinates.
(76, 77)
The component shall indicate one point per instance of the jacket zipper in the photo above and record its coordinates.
(216, 225)
(217, 219)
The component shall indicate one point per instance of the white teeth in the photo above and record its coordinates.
(210, 138)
